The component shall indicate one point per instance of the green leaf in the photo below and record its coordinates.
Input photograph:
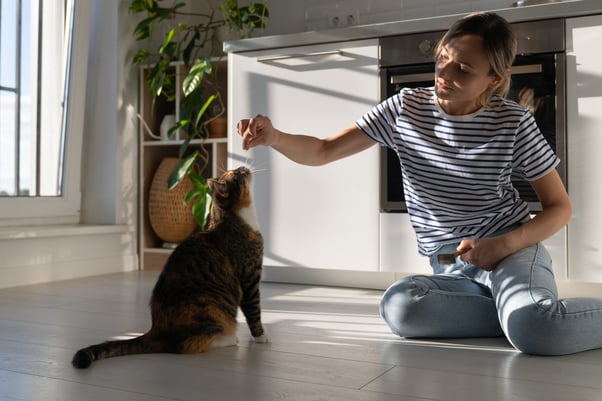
(183, 167)
(142, 30)
(141, 56)
(187, 52)
(192, 81)
(169, 51)
(200, 196)
(197, 180)
(176, 127)
(165, 13)
(139, 5)
(195, 76)
(171, 131)
(193, 193)
(203, 109)
(167, 40)
(155, 84)
(201, 209)
(184, 147)
(190, 104)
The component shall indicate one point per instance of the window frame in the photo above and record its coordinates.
(64, 209)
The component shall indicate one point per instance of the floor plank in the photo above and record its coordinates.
(326, 344)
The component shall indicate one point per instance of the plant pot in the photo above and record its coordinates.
(170, 218)
(218, 127)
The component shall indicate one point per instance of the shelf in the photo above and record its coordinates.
(206, 141)
(153, 151)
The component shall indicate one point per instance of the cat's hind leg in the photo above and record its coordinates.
(204, 343)
(228, 337)
(222, 334)
(225, 341)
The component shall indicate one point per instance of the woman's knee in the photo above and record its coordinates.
(537, 331)
(397, 304)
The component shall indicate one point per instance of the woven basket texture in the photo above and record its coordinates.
(169, 217)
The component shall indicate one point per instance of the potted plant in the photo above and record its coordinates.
(194, 40)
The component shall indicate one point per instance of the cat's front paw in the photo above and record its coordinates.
(262, 339)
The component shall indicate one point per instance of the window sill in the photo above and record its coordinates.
(66, 230)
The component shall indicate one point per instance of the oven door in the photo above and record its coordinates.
(537, 83)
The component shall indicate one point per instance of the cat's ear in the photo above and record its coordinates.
(218, 188)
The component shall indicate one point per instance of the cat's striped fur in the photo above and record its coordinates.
(207, 277)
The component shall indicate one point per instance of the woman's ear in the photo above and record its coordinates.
(496, 81)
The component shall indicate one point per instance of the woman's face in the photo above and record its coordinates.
(462, 74)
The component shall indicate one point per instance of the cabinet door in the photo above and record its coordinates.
(318, 217)
(584, 141)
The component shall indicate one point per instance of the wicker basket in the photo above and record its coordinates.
(169, 217)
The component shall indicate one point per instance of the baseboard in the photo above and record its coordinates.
(65, 270)
(382, 280)
(43, 254)
(326, 277)
(570, 289)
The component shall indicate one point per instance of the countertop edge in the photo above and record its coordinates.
(565, 9)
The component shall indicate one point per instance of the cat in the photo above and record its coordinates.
(195, 300)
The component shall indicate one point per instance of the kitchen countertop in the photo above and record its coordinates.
(516, 14)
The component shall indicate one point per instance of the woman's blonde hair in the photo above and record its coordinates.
(499, 44)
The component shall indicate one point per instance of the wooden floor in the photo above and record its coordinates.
(326, 344)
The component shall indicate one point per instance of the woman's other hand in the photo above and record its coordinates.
(484, 253)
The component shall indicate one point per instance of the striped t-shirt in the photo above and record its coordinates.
(457, 169)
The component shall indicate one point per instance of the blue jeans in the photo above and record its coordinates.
(517, 299)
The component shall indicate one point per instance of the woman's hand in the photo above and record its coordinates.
(256, 131)
(300, 148)
(484, 253)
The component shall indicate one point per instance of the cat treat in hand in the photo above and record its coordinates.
(205, 280)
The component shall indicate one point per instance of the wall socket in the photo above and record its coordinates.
(327, 14)
(345, 13)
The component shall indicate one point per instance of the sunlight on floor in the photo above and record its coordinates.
(341, 328)
(341, 317)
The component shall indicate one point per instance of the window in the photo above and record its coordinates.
(39, 170)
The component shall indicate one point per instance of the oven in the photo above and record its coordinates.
(537, 82)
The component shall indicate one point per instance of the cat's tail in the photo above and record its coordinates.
(138, 345)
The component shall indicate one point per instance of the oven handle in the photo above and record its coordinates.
(301, 55)
(526, 69)
(409, 78)
(430, 76)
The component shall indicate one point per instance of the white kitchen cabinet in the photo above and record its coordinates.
(398, 246)
(317, 217)
(584, 141)
(399, 251)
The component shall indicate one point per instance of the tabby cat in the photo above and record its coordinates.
(207, 277)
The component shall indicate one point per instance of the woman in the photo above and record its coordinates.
(458, 144)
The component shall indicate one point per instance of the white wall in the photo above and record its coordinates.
(109, 160)
(105, 242)
(293, 16)
(110, 157)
